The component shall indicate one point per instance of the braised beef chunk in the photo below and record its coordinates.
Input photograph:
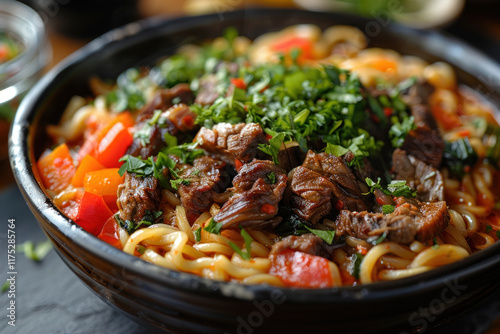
(205, 178)
(313, 191)
(137, 195)
(290, 156)
(322, 178)
(229, 142)
(306, 243)
(175, 119)
(425, 142)
(208, 92)
(426, 145)
(258, 188)
(165, 99)
(427, 181)
(411, 220)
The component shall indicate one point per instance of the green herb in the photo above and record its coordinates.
(435, 243)
(498, 234)
(459, 154)
(248, 243)
(35, 252)
(5, 286)
(356, 260)
(129, 92)
(141, 249)
(488, 228)
(144, 134)
(186, 152)
(197, 234)
(399, 130)
(148, 219)
(274, 146)
(335, 150)
(326, 235)
(175, 183)
(170, 140)
(395, 188)
(387, 209)
(271, 177)
(381, 238)
(135, 165)
(493, 152)
(497, 206)
(213, 227)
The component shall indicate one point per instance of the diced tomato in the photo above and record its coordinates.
(237, 164)
(268, 136)
(347, 278)
(267, 209)
(303, 44)
(56, 169)
(88, 164)
(464, 133)
(113, 146)
(387, 111)
(239, 83)
(92, 213)
(362, 250)
(339, 205)
(110, 233)
(301, 269)
(188, 121)
(447, 120)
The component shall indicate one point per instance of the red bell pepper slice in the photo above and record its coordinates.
(113, 146)
(110, 233)
(301, 269)
(92, 213)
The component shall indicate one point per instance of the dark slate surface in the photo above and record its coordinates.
(51, 299)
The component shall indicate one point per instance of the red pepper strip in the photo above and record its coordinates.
(92, 213)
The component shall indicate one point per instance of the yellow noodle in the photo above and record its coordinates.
(391, 274)
(170, 197)
(438, 256)
(182, 222)
(371, 258)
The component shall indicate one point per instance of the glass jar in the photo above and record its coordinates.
(17, 75)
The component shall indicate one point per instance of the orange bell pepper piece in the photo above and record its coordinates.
(88, 164)
(56, 168)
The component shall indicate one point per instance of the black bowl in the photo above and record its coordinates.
(181, 302)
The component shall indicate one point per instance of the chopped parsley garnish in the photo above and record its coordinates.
(399, 130)
(435, 243)
(395, 188)
(248, 243)
(149, 219)
(356, 260)
(488, 228)
(381, 238)
(457, 155)
(387, 209)
(271, 178)
(36, 252)
(186, 152)
(175, 183)
(213, 227)
(498, 234)
(197, 234)
(326, 235)
(141, 249)
(128, 94)
(274, 146)
(144, 134)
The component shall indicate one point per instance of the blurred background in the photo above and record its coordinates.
(70, 24)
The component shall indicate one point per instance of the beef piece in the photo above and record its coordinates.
(206, 178)
(425, 142)
(175, 120)
(164, 99)
(137, 195)
(258, 188)
(290, 156)
(427, 181)
(306, 243)
(150, 147)
(412, 220)
(208, 92)
(426, 145)
(314, 194)
(228, 142)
